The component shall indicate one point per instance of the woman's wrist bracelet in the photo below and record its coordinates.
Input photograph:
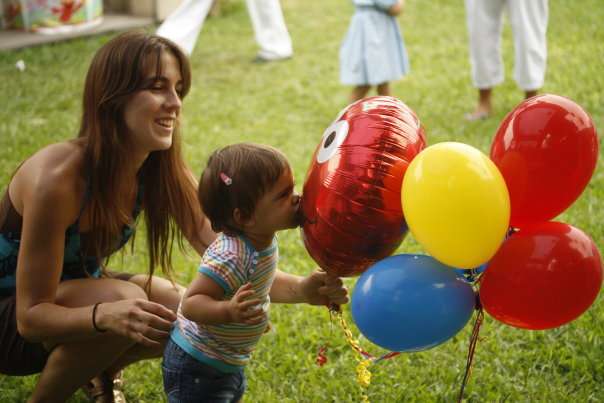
(94, 325)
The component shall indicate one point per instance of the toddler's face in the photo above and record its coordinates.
(278, 208)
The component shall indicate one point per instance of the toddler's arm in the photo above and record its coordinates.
(203, 303)
(319, 288)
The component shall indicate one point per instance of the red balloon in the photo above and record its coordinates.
(546, 150)
(542, 277)
(352, 193)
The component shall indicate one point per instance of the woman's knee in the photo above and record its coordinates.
(75, 293)
(120, 290)
(160, 290)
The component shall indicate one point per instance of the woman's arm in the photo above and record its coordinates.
(202, 235)
(199, 233)
(203, 303)
(319, 288)
(49, 204)
(48, 191)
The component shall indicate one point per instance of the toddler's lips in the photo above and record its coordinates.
(299, 219)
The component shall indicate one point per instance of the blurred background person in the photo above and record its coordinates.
(184, 25)
(529, 26)
(373, 52)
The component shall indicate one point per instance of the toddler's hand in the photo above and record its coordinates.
(320, 288)
(242, 309)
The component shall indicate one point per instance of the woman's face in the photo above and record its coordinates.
(151, 113)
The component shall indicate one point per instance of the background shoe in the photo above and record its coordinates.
(263, 59)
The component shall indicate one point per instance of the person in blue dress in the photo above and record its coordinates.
(373, 52)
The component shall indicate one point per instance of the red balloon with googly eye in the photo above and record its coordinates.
(352, 193)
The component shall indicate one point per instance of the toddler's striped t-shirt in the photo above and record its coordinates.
(230, 261)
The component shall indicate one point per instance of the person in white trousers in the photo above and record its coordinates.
(528, 19)
(270, 30)
(184, 24)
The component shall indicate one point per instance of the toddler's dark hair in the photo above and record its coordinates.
(237, 176)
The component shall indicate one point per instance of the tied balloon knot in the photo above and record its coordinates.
(474, 275)
(334, 309)
(511, 231)
(363, 373)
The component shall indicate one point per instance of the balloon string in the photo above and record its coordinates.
(354, 343)
(472, 348)
(362, 369)
(366, 359)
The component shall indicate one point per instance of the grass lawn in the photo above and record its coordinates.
(288, 104)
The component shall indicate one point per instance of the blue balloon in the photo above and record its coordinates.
(411, 303)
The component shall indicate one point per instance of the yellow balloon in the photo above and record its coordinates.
(456, 204)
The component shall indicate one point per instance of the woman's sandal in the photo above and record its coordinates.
(104, 389)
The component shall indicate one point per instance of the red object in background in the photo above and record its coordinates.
(352, 193)
(546, 150)
(67, 9)
(542, 277)
(321, 356)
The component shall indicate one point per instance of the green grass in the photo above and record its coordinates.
(288, 104)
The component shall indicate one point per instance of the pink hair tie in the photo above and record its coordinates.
(225, 178)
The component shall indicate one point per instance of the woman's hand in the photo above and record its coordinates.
(242, 309)
(321, 288)
(147, 323)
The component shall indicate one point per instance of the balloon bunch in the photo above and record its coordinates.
(491, 215)
(484, 221)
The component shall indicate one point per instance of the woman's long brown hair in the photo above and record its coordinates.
(117, 71)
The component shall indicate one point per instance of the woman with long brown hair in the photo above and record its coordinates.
(72, 204)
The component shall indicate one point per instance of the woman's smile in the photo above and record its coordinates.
(166, 124)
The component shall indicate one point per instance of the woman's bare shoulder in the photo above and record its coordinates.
(52, 176)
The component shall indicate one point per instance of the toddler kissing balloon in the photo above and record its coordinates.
(351, 197)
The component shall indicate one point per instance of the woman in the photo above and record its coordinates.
(72, 204)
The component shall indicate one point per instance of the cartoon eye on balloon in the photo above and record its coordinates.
(351, 196)
(333, 137)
